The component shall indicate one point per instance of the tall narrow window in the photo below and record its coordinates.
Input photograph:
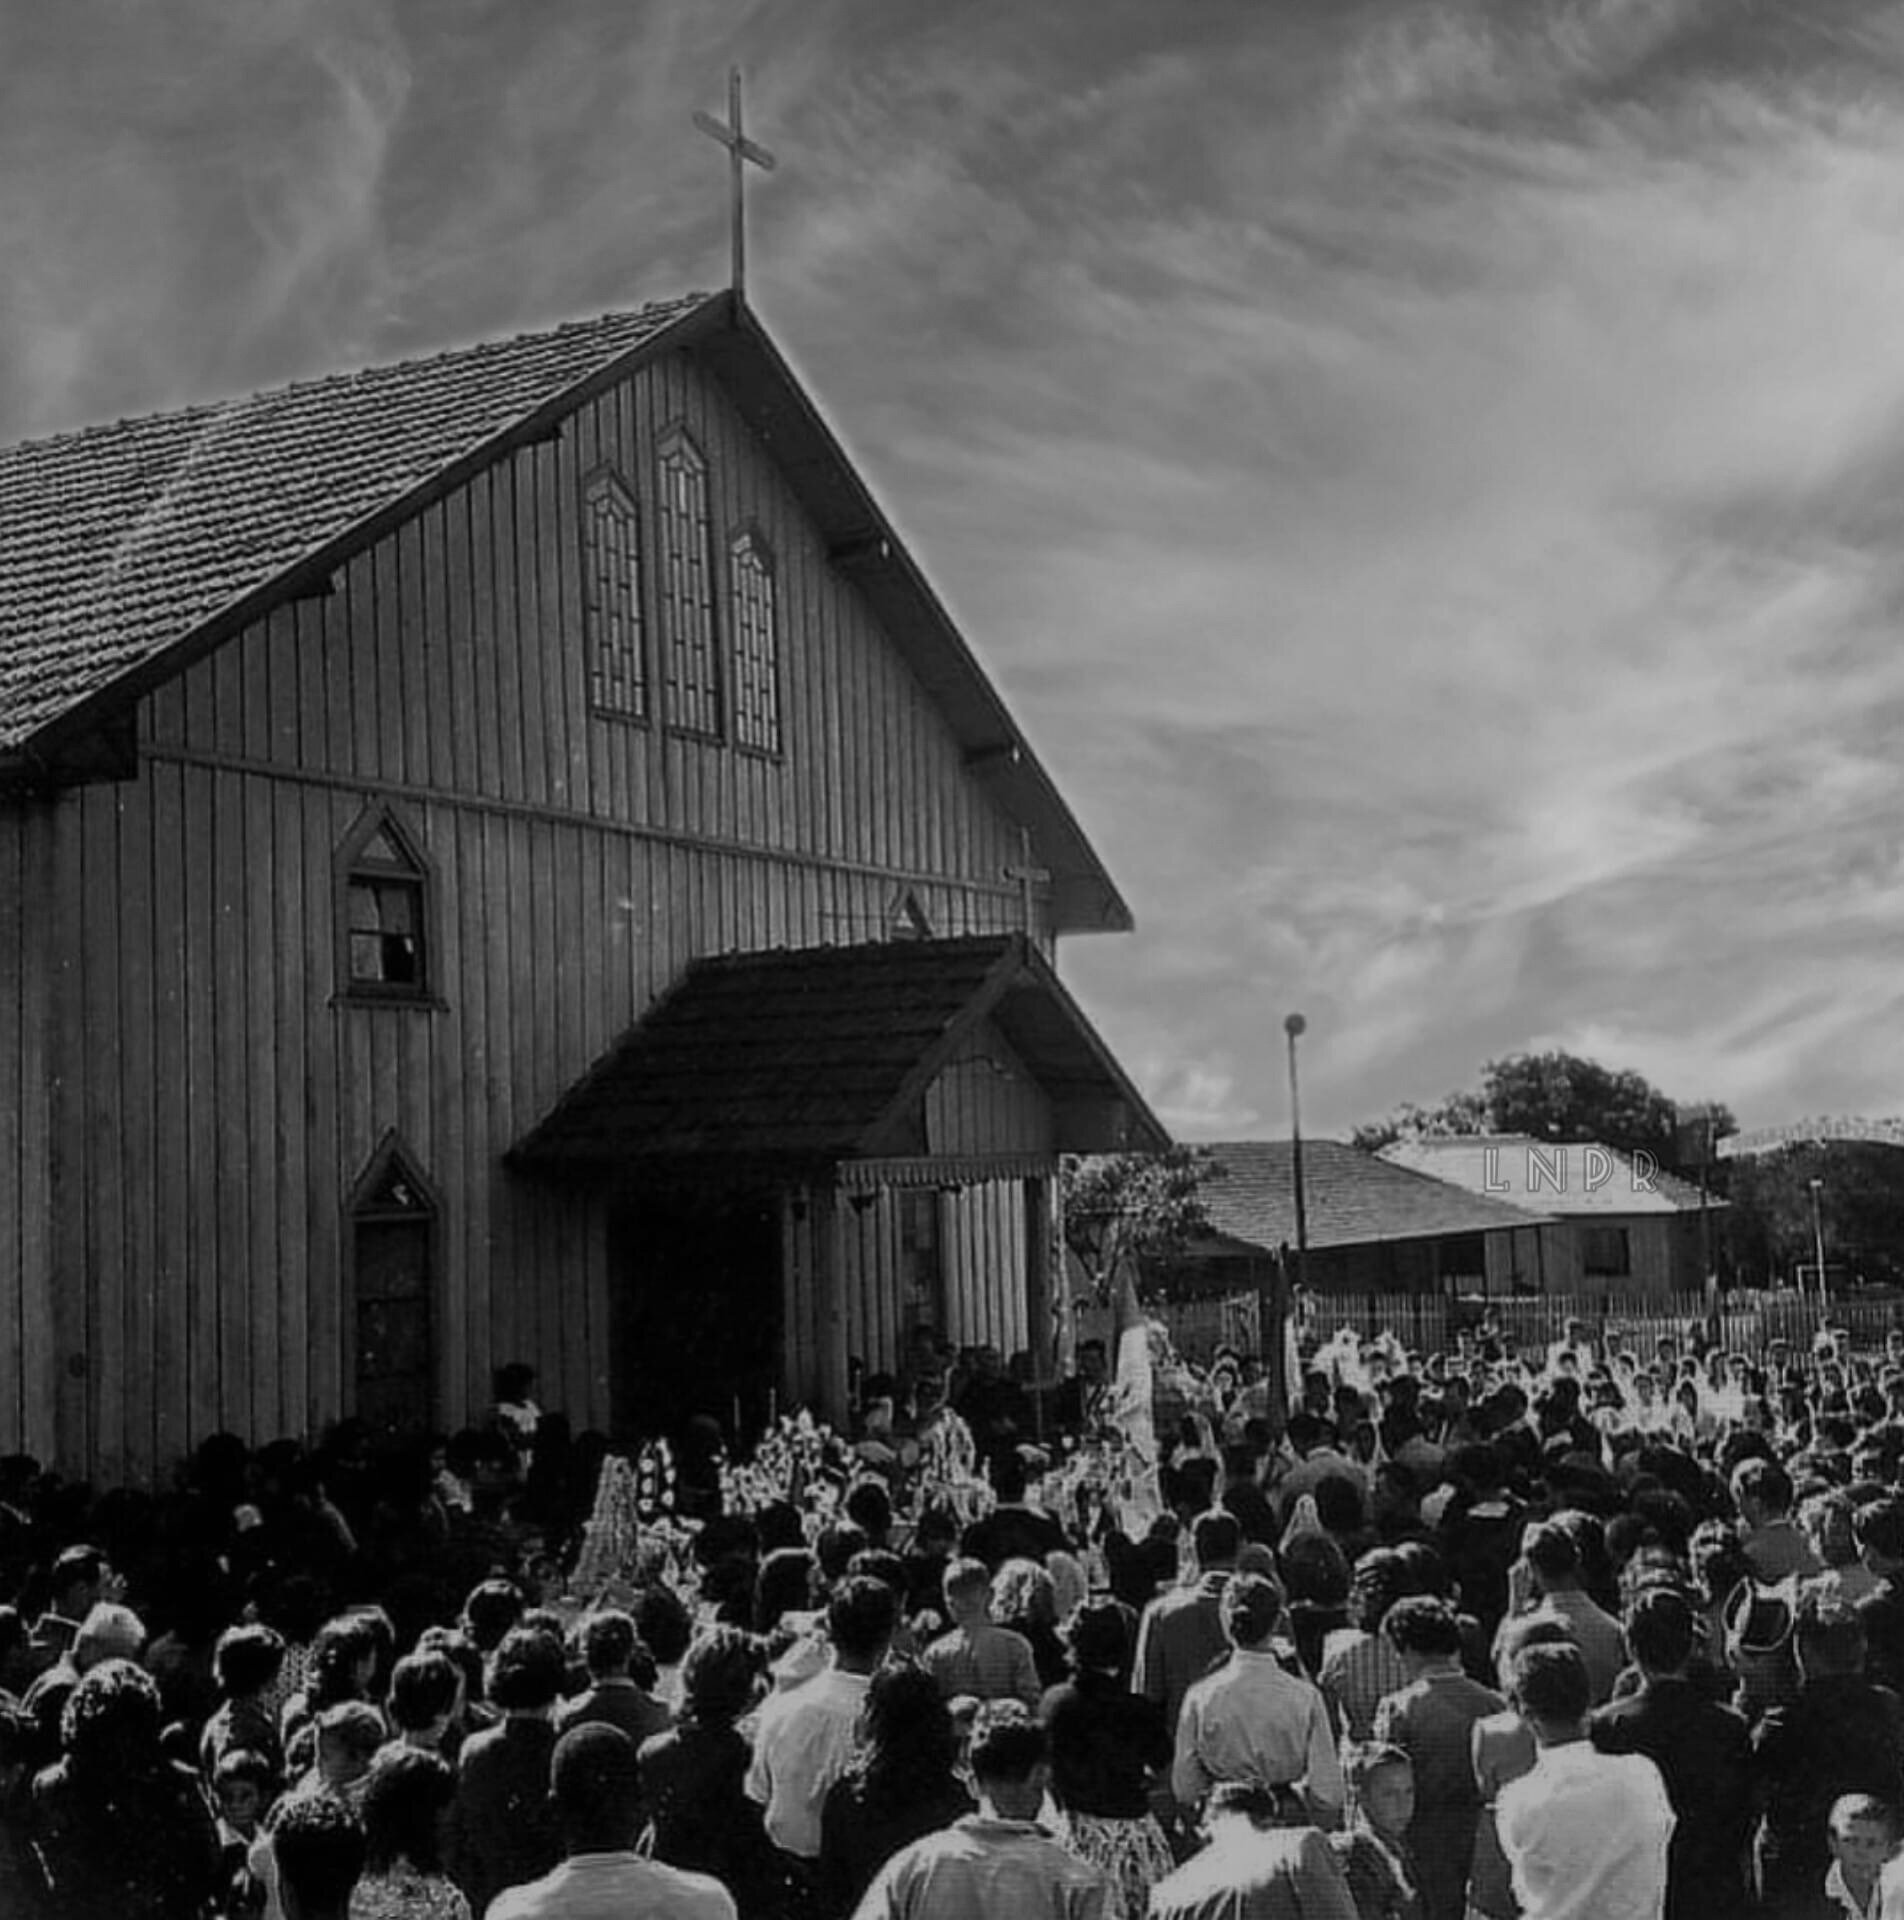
(384, 949)
(391, 1323)
(611, 600)
(753, 595)
(691, 688)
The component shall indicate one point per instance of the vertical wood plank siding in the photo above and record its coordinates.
(216, 1104)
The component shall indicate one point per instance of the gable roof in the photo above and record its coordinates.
(1350, 1198)
(132, 549)
(1523, 1172)
(821, 1054)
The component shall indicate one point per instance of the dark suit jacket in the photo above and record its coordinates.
(1704, 1755)
(503, 1827)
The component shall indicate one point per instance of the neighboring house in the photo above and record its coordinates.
(1614, 1226)
(375, 755)
(1373, 1227)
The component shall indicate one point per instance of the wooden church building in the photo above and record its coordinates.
(505, 857)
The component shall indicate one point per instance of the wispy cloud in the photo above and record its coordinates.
(1428, 475)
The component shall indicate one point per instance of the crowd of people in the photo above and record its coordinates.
(1462, 1636)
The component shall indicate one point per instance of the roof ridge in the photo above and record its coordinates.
(344, 376)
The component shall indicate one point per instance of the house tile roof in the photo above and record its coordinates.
(820, 1054)
(1350, 1197)
(119, 540)
(1523, 1172)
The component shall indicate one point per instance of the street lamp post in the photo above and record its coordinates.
(1293, 1027)
(1818, 1236)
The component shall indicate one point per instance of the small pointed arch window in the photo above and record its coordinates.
(614, 630)
(385, 912)
(907, 920)
(390, 1323)
(754, 594)
(691, 678)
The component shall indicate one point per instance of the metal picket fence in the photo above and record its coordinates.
(1746, 1321)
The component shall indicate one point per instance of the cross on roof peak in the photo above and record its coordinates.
(741, 151)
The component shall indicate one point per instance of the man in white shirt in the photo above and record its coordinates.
(595, 1782)
(1585, 1833)
(805, 1736)
(1251, 1720)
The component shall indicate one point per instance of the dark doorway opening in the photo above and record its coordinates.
(696, 1290)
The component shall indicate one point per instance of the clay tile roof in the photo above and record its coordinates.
(119, 540)
(1351, 1198)
(812, 1054)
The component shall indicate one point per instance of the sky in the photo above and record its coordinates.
(1429, 478)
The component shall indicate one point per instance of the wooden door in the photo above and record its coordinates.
(393, 1299)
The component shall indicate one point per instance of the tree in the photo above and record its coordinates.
(1555, 1096)
(1769, 1223)
(1138, 1207)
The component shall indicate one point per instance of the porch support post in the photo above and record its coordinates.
(830, 1214)
(1040, 1330)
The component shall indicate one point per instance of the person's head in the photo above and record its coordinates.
(1762, 1490)
(719, 1677)
(869, 1507)
(246, 1660)
(514, 1384)
(833, 1551)
(318, 1847)
(608, 1640)
(1381, 1781)
(1098, 1638)
(348, 1736)
(1250, 1608)
(1864, 1835)
(1878, 1528)
(905, 1724)
(243, 1784)
(1008, 1479)
(1379, 1580)
(426, 1689)
(405, 1801)
(81, 1578)
(111, 1721)
(1025, 1595)
(1661, 1631)
(1553, 1556)
(343, 1659)
(1425, 1631)
(1008, 1759)
(490, 1611)
(861, 1618)
(1550, 1689)
(968, 1590)
(1216, 1539)
(108, 1632)
(595, 1783)
(1829, 1637)
(526, 1677)
(784, 1585)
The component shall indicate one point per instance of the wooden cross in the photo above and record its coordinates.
(740, 150)
(1029, 879)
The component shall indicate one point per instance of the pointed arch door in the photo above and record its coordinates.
(391, 1316)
